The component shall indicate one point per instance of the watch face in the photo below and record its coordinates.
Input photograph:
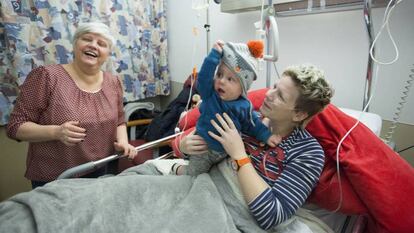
(234, 165)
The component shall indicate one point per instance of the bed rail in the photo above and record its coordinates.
(96, 164)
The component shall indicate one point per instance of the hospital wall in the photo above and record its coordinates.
(336, 42)
(12, 166)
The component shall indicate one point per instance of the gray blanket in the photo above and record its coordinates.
(137, 200)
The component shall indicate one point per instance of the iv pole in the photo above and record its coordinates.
(272, 42)
(368, 80)
(207, 26)
(272, 34)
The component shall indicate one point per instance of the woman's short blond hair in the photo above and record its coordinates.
(97, 28)
(315, 93)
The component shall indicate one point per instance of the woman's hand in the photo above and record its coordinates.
(126, 148)
(70, 133)
(193, 144)
(230, 138)
(252, 185)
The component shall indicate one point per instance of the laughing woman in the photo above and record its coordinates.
(71, 114)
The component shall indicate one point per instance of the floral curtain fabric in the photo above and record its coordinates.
(39, 32)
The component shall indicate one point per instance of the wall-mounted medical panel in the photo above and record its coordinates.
(298, 7)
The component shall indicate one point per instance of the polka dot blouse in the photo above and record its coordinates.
(49, 96)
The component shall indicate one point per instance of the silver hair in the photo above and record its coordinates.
(97, 28)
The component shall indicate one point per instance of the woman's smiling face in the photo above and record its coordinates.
(91, 49)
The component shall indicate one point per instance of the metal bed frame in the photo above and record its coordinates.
(83, 168)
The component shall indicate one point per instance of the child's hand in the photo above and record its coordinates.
(274, 140)
(218, 46)
(266, 121)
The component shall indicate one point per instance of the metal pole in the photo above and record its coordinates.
(368, 80)
(269, 11)
(207, 26)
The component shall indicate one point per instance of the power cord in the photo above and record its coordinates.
(405, 149)
(400, 106)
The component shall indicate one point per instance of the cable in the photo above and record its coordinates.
(276, 70)
(405, 149)
(400, 107)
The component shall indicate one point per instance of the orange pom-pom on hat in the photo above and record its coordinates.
(256, 48)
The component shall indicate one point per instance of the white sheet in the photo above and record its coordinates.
(371, 120)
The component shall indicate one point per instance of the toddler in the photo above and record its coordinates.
(226, 91)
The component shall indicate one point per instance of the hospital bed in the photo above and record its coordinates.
(336, 221)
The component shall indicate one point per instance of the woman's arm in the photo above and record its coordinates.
(122, 143)
(271, 206)
(68, 133)
(252, 185)
(189, 144)
(33, 132)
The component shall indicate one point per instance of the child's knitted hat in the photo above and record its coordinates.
(242, 60)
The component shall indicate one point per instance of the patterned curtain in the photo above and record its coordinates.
(40, 32)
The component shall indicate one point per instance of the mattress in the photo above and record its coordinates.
(371, 120)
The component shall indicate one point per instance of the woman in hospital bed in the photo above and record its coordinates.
(276, 182)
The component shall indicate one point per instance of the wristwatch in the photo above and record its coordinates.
(238, 163)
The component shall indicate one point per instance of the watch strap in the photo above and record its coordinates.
(242, 162)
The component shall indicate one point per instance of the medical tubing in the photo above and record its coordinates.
(400, 107)
(192, 81)
(187, 106)
(261, 14)
(387, 15)
(276, 70)
(186, 109)
(346, 135)
(386, 18)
